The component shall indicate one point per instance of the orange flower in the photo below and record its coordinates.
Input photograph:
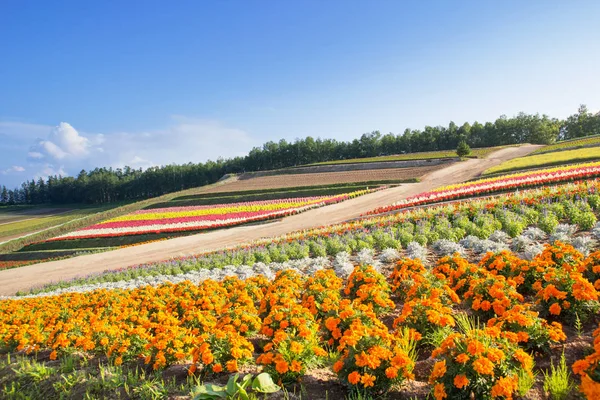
(217, 368)
(295, 366)
(391, 372)
(232, 366)
(439, 392)
(460, 381)
(475, 347)
(368, 380)
(354, 378)
(439, 369)
(483, 366)
(462, 358)
(281, 366)
(296, 347)
(555, 309)
(337, 367)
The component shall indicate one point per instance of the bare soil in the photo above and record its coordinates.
(21, 279)
(324, 178)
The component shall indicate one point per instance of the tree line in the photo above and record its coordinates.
(105, 185)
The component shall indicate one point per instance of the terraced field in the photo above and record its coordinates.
(248, 182)
(425, 155)
(483, 298)
(547, 160)
(584, 142)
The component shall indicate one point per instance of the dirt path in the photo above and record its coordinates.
(23, 278)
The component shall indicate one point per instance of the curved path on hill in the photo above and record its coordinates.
(23, 278)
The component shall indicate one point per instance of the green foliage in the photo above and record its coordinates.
(463, 149)
(558, 381)
(548, 222)
(526, 382)
(236, 389)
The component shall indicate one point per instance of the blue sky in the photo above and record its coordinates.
(140, 83)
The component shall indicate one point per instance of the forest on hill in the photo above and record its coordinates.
(105, 185)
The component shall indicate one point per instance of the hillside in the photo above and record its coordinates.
(35, 275)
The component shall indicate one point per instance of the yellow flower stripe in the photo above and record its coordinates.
(219, 210)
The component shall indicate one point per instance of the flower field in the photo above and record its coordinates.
(590, 141)
(498, 184)
(472, 299)
(208, 327)
(547, 160)
(196, 218)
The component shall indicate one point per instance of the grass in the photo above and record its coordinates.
(546, 160)
(98, 243)
(91, 219)
(588, 141)
(74, 377)
(36, 223)
(426, 155)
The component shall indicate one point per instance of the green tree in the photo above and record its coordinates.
(463, 149)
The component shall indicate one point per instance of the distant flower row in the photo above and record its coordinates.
(194, 218)
(497, 184)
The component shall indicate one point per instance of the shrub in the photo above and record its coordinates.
(463, 149)
(523, 326)
(367, 286)
(589, 370)
(478, 362)
(372, 359)
(294, 344)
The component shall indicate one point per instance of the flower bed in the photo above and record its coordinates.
(196, 218)
(287, 324)
(497, 184)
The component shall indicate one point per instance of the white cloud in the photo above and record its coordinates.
(13, 169)
(63, 142)
(64, 150)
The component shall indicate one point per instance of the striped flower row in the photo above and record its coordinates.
(497, 184)
(194, 218)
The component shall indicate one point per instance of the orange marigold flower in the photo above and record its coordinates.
(483, 366)
(555, 309)
(354, 378)
(460, 381)
(232, 365)
(368, 380)
(580, 366)
(504, 387)
(391, 372)
(337, 367)
(462, 358)
(281, 366)
(439, 391)
(475, 347)
(295, 366)
(296, 347)
(217, 368)
(439, 369)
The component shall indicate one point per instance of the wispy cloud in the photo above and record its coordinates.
(12, 170)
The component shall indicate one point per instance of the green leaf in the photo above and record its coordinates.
(242, 394)
(263, 383)
(232, 385)
(210, 392)
(246, 380)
